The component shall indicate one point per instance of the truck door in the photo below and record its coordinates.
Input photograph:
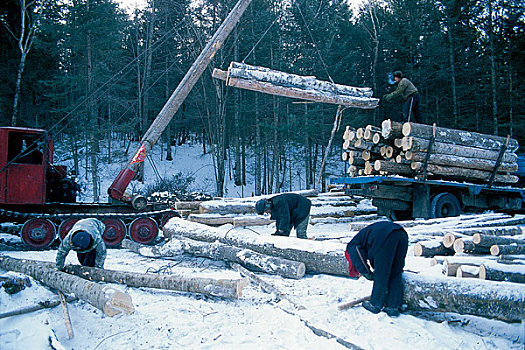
(25, 175)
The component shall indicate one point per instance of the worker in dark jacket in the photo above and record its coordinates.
(409, 93)
(383, 245)
(288, 210)
(85, 237)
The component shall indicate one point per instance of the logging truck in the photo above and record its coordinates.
(404, 198)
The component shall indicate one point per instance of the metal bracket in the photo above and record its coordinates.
(498, 161)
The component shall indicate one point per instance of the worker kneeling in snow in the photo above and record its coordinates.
(383, 244)
(85, 237)
(288, 210)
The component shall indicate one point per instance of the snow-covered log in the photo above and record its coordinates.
(108, 299)
(466, 245)
(490, 240)
(221, 287)
(460, 137)
(472, 297)
(279, 83)
(431, 248)
(391, 129)
(464, 162)
(467, 271)
(509, 249)
(219, 251)
(457, 172)
(299, 93)
(318, 257)
(502, 272)
(417, 144)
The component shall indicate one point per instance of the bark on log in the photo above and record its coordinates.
(299, 93)
(507, 249)
(458, 161)
(220, 287)
(367, 145)
(353, 303)
(193, 206)
(219, 251)
(212, 220)
(473, 297)
(391, 129)
(451, 263)
(318, 257)
(467, 271)
(431, 248)
(394, 168)
(415, 144)
(246, 71)
(502, 272)
(459, 137)
(465, 245)
(490, 231)
(463, 173)
(259, 220)
(489, 241)
(108, 299)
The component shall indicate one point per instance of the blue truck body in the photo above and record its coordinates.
(404, 198)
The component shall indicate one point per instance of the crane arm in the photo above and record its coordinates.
(121, 182)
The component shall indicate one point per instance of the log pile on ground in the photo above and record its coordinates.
(418, 150)
(494, 253)
(269, 81)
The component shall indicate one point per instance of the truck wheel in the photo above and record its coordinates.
(143, 230)
(444, 205)
(114, 233)
(38, 233)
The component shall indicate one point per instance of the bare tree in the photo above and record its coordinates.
(29, 19)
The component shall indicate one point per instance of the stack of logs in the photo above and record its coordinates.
(490, 253)
(412, 149)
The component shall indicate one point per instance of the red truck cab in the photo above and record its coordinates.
(25, 155)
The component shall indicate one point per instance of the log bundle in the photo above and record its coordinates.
(482, 254)
(269, 81)
(418, 150)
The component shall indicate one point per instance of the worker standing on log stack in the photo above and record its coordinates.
(85, 237)
(410, 95)
(383, 244)
(288, 210)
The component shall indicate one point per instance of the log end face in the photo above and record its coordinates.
(117, 303)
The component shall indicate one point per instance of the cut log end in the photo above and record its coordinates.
(117, 303)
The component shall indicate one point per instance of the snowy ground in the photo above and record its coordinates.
(172, 320)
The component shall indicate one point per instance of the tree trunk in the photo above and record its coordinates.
(317, 257)
(460, 137)
(393, 168)
(466, 245)
(418, 144)
(493, 77)
(431, 248)
(507, 249)
(219, 251)
(391, 129)
(108, 299)
(467, 271)
(502, 272)
(472, 297)
(463, 173)
(488, 241)
(469, 163)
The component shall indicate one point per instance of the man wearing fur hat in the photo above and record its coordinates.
(85, 237)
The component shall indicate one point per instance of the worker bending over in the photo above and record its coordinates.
(288, 210)
(85, 237)
(384, 245)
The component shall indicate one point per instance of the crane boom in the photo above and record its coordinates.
(121, 182)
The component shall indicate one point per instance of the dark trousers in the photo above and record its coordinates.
(389, 263)
(411, 109)
(87, 258)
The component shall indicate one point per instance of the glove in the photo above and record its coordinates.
(387, 97)
(368, 276)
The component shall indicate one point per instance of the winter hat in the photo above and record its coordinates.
(260, 206)
(81, 240)
(352, 271)
(398, 74)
